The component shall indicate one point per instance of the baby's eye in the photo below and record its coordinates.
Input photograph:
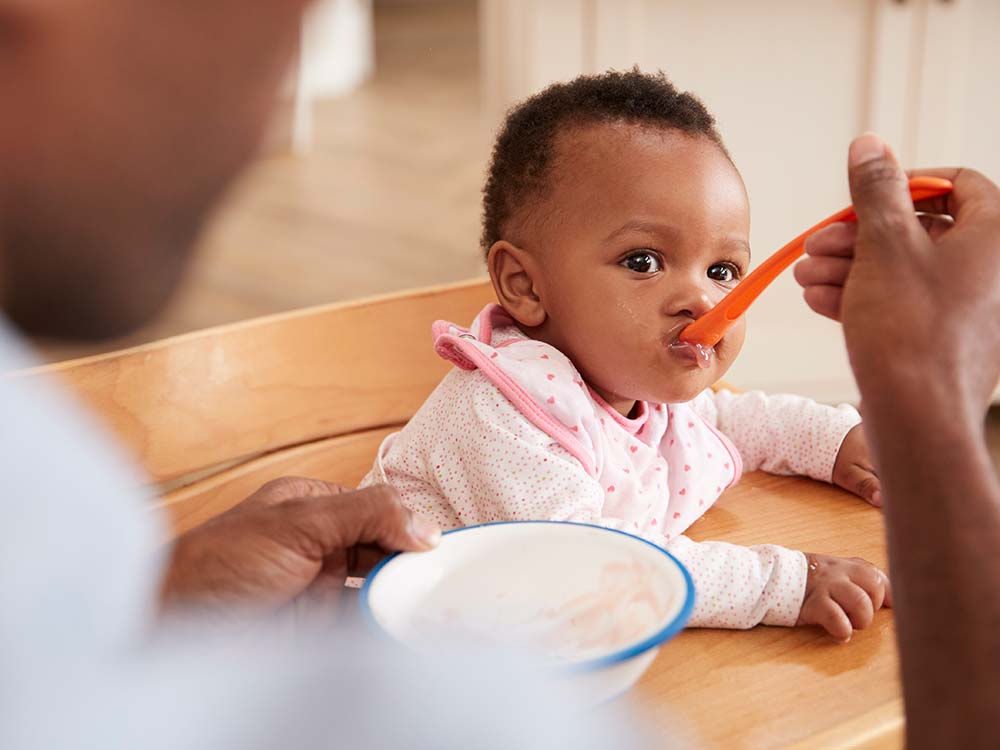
(642, 262)
(724, 272)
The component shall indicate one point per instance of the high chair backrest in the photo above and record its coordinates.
(213, 414)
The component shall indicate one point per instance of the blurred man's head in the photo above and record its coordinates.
(122, 123)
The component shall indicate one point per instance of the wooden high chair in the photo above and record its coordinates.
(213, 415)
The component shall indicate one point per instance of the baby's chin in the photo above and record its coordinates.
(681, 389)
(687, 384)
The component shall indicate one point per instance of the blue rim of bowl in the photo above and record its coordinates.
(671, 629)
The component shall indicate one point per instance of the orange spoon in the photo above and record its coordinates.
(707, 330)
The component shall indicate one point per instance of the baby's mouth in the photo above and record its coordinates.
(700, 355)
(695, 353)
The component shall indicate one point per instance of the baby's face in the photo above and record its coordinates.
(643, 231)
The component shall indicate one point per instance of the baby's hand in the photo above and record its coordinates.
(843, 594)
(854, 471)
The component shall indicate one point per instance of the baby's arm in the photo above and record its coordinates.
(532, 478)
(740, 587)
(529, 476)
(469, 456)
(502, 467)
(780, 434)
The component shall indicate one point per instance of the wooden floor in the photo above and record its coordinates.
(387, 197)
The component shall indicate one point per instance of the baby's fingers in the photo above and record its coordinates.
(856, 603)
(826, 613)
(876, 583)
(863, 483)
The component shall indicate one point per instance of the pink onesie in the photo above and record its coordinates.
(514, 433)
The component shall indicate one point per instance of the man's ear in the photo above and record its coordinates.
(514, 273)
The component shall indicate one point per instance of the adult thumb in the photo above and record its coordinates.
(879, 189)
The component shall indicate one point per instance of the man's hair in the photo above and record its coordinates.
(522, 155)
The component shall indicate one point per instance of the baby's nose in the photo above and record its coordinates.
(693, 304)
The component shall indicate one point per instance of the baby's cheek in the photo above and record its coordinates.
(729, 348)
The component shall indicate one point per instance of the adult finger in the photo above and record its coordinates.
(935, 224)
(283, 489)
(879, 192)
(316, 487)
(822, 270)
(834, 239)
(373, 515)
(364, 558)
(320, 602)
(855, 602)
(972, 191)
(825, 300)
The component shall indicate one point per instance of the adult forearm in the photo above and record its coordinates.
(942, 505)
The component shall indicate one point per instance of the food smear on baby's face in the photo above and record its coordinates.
(645, 231)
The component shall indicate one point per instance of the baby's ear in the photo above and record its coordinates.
(514, 273)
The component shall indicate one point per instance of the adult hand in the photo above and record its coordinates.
(293, 540)
(918, 304)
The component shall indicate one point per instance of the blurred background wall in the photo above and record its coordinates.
(371, 181)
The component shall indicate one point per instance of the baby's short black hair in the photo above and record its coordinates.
(522, 153)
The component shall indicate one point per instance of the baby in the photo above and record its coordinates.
(613, 217)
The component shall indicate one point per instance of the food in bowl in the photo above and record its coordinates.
(582, 597)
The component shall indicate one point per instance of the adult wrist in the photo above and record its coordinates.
(910, 397)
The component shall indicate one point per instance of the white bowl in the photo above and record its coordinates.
(595, 603)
